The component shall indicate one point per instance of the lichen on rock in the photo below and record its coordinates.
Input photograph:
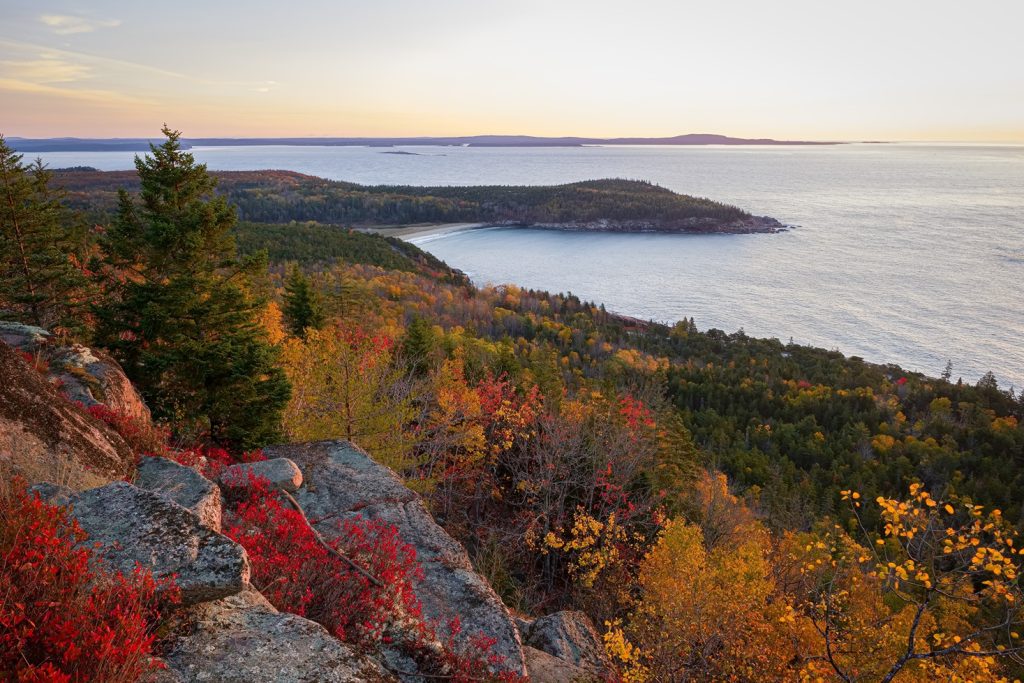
(137, 527)
(182, 485)
(242, 638)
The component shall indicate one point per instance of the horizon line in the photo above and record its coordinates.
(575, 140)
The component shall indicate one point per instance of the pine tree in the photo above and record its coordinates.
(302, 307)
(182, 317)
(40, 243)
(419, 345)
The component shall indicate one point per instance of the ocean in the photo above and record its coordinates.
(900, 253)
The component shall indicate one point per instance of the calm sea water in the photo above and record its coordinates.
(912, 254)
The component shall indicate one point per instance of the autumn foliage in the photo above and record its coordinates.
(142, 437)
(299, 575)
(346, 386)
(933, 596)
(368, 601)
(64, 617)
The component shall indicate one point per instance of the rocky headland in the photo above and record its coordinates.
(689, 226)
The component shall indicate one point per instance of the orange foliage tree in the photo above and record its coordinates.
(935, 597)
(706, 613)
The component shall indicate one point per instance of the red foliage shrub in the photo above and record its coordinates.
(475, 660)
(143, 438)
(211, 460)
(63, 617)
(507, 417)
(373, 344)
(298, 574)
(636, 413)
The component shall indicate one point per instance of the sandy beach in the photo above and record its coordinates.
(411, 232)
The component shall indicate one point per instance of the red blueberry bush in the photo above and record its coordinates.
(63, 617)
(143, 438)
(155, 440)
(211, 460)
(299, 575)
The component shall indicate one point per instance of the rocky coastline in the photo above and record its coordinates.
(687, 226)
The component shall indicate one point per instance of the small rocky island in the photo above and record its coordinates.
(607, 205)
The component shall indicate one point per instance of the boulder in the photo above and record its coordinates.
(571, 637)
(281, 472)
(242, 638)
(84, 375)
(342, 481)
(133, 526)
(545, 668)
(183, 485)
(44, 437)
(22, 337)
(51, 493)
(89, 376)
(523, 625)
(162, 675)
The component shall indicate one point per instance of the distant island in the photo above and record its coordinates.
(70, 144)
(609, 205)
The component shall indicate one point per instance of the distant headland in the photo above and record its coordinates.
(606, 205)
(69, 144)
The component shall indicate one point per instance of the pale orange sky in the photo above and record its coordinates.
(908, 70)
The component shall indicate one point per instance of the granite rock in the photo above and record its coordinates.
(183, 485)
(280, 472)
(342, 481)
(571, 637)
(242, 638)
(134, 526)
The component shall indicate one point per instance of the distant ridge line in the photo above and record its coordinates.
(71, 144)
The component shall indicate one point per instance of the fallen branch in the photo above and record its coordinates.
(327, 546)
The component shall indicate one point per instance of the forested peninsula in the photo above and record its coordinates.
(610, 205)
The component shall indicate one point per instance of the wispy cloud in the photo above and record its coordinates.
(33, 70)
(106, 63)
(39, 70)
(66, 24)
(48, 68)
(94, 96)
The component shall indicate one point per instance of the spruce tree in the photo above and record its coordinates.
(419, 345)
(948, 372)
(40, 247)
(182, 317)
(302, 307)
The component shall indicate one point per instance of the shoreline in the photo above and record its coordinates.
(410, 232)
(422, 231)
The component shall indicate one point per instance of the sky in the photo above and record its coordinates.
(789, 69)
